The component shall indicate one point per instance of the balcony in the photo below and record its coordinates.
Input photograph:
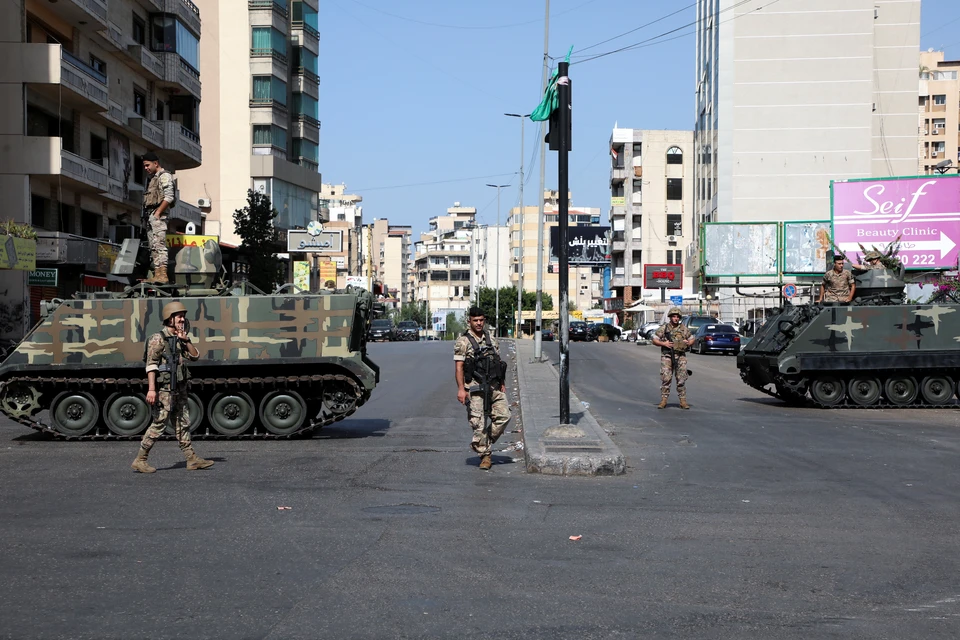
(85, 174)
(306, 127)
(177, 74)
(619, 246)
(268, 111)
(80, 85)
(89, 16)
(269, 150)
(182, 145)
(113, 36)
(618, 174)
(185, 212)
(149, 132)
(186, 11)
(306, 81)
(618, 281)
(147, 60)
(636, 198)
(277, 6)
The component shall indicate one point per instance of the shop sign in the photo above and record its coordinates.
(42, 278)
(18, 253)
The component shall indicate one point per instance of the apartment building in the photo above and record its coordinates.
(939, 112)
(87, 88)
(262, 117)
(343, 212)
(442, 259)
(651, 206)
(585, 280)
(387, 261)
(793, 94)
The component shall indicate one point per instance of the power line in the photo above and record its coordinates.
(643, 26)
(945, 24)
(422, 184)
(468, 27)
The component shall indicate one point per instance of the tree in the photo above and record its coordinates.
(454, 326)
(486, 299)
(254, 225)
(419, 312)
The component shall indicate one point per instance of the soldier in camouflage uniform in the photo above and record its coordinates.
(472, 397)
(676, 338)
(165, 404)
(838, 283)
(158, 198)
(871, 261)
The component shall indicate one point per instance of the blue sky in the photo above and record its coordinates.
(413, 92)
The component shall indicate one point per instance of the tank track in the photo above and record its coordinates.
(846, 403)
(211, 385)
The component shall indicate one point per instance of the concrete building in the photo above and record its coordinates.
(651, 206)
(794, 94)
(260, 66)
(585, 282)
(442, 259)
(939, 111)
(387, 261)
(86, 89)
(343, 212)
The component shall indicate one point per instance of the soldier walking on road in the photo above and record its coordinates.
(158, 198)
(166, 369)
(476, 357)
(673, 339)
(838, 283)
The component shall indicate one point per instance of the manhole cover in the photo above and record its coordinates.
(401, 509)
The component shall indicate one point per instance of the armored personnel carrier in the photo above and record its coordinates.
(876, 351)
(270, 365)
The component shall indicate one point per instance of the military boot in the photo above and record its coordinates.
(140, 463)
(683, 403)
(195, 462)
(160, 275)
(663, 402)
(486, 462)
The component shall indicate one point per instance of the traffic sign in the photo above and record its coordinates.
(789, 290)
(676, 300)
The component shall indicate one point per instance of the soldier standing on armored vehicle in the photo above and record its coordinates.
(673, 339)
(838, 283)
(167, 377)
(871, 261)
(476, 357)
(158, 198)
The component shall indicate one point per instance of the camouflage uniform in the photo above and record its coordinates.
(676, 335)
(499, 411)
(837, 286)
(160, 188)
(173, 406)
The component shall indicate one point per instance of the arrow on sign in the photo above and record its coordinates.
(944, 245)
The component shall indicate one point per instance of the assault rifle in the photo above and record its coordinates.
(483, 375)
(172, 355)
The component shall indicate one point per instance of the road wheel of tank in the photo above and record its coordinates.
(282, 412)
(231, 413)
(936, 389)
(194, 410)
(126, 414)
(900, 390)
(864, 391)
(20, 400)
(827, 390)
(74, 413)
(338, 398)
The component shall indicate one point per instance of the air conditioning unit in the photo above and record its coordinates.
(203, 203)
(934, 155)
(671, 238)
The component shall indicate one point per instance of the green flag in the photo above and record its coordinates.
(550, 98)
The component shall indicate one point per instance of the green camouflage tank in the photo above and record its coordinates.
(270, 365)
(874, 352)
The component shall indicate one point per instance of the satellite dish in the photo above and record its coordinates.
(314, 228)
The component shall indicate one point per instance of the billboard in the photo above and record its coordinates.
(585, 245)
(740, 249)
(322, 242)
(805, 246)
(662, 276)
(924, 212)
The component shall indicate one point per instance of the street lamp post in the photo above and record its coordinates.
(496, 277)
(519, 324)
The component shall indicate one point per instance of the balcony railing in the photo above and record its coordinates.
(179, 73)
(277, 6)
(268, 52)
(618, 173)
(149, 131)
(151, 63)
(307, 29)
(188, 13)
(83, 170)
(113, 35)
(308, 164)
(83, 79)
(181, 140)
(95, 8)
(270, 150)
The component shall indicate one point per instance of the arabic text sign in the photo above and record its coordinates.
(923, 212)
(585, 245)
(326, 242)
(18, 253)
(178, 240)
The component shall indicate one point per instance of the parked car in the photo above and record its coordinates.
(579, 331)
(695, 322)
(596, 329)
(716, 338)
(647, 329)
(381, 329)
(546, 335)
(408, 331)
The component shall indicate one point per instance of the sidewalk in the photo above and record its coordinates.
(581, 450)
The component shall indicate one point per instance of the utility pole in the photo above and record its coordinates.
(519, 323)
(496, 276)
(538, 323)
(563, 122)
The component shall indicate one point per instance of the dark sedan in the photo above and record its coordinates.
(579, 331)
(716, 338)
(601, 328)
(546, 335)
(408, 330)
(381, 330)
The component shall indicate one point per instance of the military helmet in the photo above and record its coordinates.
(674, 311)
(171, 308)
(872, 255)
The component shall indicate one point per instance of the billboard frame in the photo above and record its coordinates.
(678, 284)
(783, 244)
(703, 252)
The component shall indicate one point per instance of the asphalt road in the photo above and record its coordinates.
(737, 519)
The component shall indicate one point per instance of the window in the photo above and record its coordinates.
(939, 124)
(674, 156)
(267, 89)
(303, 148)
(139, 30)
(138, 170)
(940, 98)
(306, 62)
(91, 224)
(268, 41)
(98, 65)
(306, 106)
(98, 148)
(670, 256)
(159, 110)
(637, 149)
(169, 35)
(674, 224)
(139, 102)
(674, 188)
(269, 135)
(306, 16)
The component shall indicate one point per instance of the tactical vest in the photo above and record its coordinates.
(153, 195)
(673, 335)
(164, 368)
(482, 361)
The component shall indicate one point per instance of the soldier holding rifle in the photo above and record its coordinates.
(167, 378)
(673, 339)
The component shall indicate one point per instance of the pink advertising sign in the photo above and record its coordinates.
(924, 212)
